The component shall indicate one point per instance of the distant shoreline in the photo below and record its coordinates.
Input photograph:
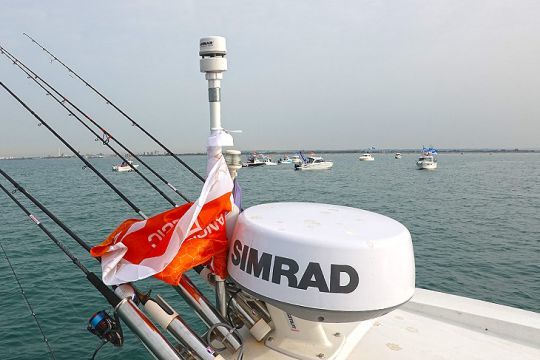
(317, 151)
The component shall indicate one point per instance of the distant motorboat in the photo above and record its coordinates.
(267, 160)
(285, 160)
(253, 161)
(314, 163)
(296, 159)
(426, 162)
(366, 157)
(397, 156)
(125, 166)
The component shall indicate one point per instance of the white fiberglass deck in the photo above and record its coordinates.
(435, 325)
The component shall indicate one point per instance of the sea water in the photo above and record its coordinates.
(474, 222)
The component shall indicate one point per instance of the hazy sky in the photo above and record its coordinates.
(302, 74)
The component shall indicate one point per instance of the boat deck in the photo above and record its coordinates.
(435, 325)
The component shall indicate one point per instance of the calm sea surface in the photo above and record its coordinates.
(475, 225)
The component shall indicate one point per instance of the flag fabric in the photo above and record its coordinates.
(237, 194)
(429, 150)
(303, 157)
(170, 243)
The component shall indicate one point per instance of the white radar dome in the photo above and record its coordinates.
(323, 262)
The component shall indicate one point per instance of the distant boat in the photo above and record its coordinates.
(286, 160)
(253, 161)
(314, 163)
(125, 167)
(366, 157)
(267, 160)
(397, 156)
(296, 159)
(426, 162)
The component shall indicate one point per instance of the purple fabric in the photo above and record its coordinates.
(237, 194)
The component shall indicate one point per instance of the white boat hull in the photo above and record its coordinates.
(318, 166)
(366, 157)
(422, 165)
(119, 168)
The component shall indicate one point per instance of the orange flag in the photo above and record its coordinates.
(168, 244)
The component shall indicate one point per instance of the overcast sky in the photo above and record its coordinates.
(302, 74)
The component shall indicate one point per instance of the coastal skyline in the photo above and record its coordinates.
(308, 75)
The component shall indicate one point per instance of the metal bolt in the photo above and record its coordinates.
(270, 339)
(320, 355)
(337, 334)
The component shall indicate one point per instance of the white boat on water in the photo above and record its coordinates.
(426, 162)
(285, 160)
(267, 160)
(366, 157)
(314, 163)
(253, 160)
(397, 156)
(125, 167)
(296, 159)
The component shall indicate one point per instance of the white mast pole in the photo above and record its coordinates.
(213, 63)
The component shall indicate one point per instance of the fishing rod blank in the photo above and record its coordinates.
(109, 102)
(98, 284)
(187, 338)
(135, 319)
(45, 210)
(34, 315)
(132, 205)
(186, 288)
(181, 288)
(71, 113)
(106, 135)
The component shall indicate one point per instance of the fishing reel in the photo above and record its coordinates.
(106, 328)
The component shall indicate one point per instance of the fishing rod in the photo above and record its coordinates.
(114, 188)
(23, 191)
(190, 293)
(98, 284)
(34, 315)
(109, 102)
(71, 113)
(101, 324)
(106, 135)
(161, 311)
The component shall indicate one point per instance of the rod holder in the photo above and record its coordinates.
(166, 317)
(206, 311)
(145, 330)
